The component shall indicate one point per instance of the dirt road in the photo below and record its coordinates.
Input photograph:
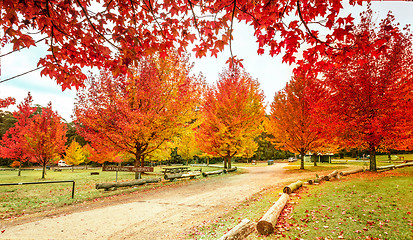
(158, 214)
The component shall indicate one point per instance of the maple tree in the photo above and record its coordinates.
(295, 121)
(74, 154)
(112, 34)
(371, 91)
(137, 114)
(232, 115)
(45, 137)
(12, 142)
(99, 155)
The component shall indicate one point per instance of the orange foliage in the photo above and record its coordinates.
(232, 114)
(138, 113)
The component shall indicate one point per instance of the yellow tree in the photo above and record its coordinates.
(295, 120)
(232, 114)
(74, 154)
(187, 146)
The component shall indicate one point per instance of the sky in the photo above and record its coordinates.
(270, 71)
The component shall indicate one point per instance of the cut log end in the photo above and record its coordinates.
(292, 187)
(265, 228)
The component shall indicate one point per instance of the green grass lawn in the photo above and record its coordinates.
(367, 205)
(21, 199)
(361, 206)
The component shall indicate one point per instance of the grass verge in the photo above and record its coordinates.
(361, 206)
(23, 199)
(368, 205)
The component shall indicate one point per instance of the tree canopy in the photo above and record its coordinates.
(113, 34)
(295, 120)
(232, 113)
(138, 113)
(371, 92)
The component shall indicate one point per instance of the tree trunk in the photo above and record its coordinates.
(314, 158)
(44, 169)
(265, 225)
(302, 153)
(138, 159)
(20, 170)
(373, 159)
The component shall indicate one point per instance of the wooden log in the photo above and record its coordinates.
(386, 168)
(173, 176)
(205, 174)
(345, 173)
(230, 170)
(331, 175)
(265, 225)
(241, 231)
(126, 184)
(315, 180)
(404, 165)
(292, 187)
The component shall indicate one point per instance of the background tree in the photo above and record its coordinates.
(73, 135)
(232, 114)
(12, 144)
(7, 120)
(371, 87)
(45, 137)
(118, 34)
(74, 154)
(295, 120)
(138, 113)
(186, 144)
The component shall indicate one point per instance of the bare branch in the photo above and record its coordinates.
(8, 79)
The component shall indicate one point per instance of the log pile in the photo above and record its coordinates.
(266, 224)
(108, 186)
(241, 231)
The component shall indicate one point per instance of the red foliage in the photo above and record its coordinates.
(45, 137)
(12, 143)
(7, 102)
(233, 113)
(371, 88)
(120, 32)
(138, 113)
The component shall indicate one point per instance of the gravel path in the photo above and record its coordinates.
(165, 213)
